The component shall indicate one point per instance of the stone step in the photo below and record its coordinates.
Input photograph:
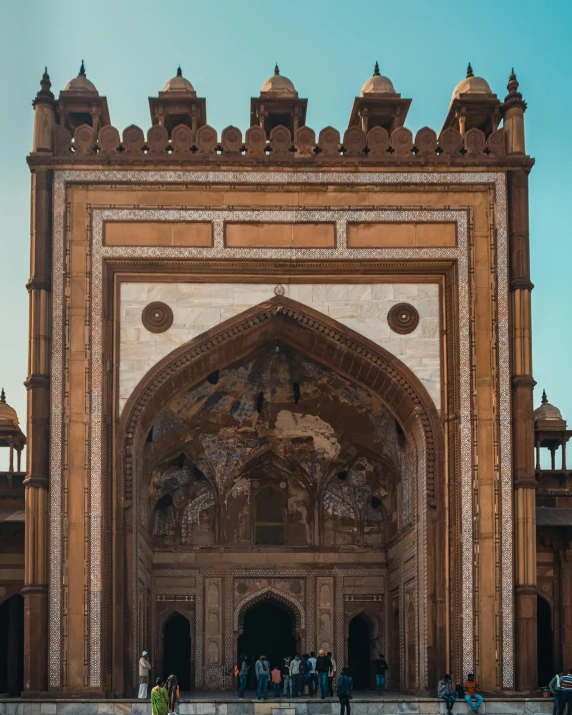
(390, 705)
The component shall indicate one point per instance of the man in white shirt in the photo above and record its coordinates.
(144, 668)
(313, 674)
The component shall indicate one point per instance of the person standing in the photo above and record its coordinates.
(345, 689)
(313, 674)
(262, 670)
(323, 665)
(381, 668)
(242, 676)
(159, 698)
(295, 675)
(565, 698)
(144, 668)
(331, 675)
(470, 687)
(304, 673)
(276, 676)
(173, 693)
(445, 692)
(286, 676)
(554, 687)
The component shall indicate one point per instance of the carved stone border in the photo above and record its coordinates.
(281, 177)
(270, 592)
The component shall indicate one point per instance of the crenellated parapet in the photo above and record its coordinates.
(355, 145)
(376, 133)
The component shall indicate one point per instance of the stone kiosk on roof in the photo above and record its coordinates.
(284, 380)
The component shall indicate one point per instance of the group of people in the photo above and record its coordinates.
(467, 691)
(298, 675)
(561, 688)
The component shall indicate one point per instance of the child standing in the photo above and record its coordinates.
(276, 676)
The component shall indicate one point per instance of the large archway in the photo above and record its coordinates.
(284, 325)
(268, 628)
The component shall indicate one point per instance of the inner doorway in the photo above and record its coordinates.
(360, 642)
(12, 646)
(177, 650)
(544, 643)
(269, 629)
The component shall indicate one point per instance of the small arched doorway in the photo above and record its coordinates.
(177, 649)
(544, 643)
(269, 628)
(12, 646)
(361, 647)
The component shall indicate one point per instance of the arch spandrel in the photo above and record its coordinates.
(312, 333)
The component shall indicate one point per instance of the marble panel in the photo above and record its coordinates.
(104, 708)
(197, 307)
(49, 708)
(141, 709)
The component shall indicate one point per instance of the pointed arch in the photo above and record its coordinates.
(340, 349)
(273, 594)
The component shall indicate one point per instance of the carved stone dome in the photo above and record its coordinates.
(178, 84)
(471, 85)
(8, 416)
(279, 85)
(81, 84)
(377, 84)
(546, 411)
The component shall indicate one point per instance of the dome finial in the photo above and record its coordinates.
(544, 398)
(470, 70)
(276, 70)
(179, 71)
(376, 69)
(2, 397)
(82, 70)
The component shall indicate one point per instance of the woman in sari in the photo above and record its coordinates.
(172, 688)
(159, 698)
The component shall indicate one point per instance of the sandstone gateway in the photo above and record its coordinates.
(284, 376)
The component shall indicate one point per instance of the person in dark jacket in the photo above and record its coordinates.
(323, 665)
(305, 680)
(381, 668)
(345, 690)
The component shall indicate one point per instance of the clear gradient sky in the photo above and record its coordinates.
(227, 48)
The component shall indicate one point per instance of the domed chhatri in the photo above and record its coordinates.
(178, 83)
(377, 84)
(8, 416)
(278, 85)
(471, 85)
(81, 84)
(546, 411)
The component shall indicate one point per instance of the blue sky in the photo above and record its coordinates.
(328, 48)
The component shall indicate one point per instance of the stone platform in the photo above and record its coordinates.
(226, 704)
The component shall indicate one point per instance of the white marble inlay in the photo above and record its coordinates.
(197, 307)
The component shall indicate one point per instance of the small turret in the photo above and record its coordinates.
(80, 103)
(473, 106)
(278, 105)
(513, 110)
(44, 117)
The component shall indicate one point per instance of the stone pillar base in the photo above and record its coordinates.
(525, 638)
(35, 639)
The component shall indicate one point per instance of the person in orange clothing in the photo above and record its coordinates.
(470, 687)
(276, 677)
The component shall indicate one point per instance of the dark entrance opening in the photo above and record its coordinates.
(545, 648)
(12, 646)
(360, 659)
(268, 629)
(177, 650)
